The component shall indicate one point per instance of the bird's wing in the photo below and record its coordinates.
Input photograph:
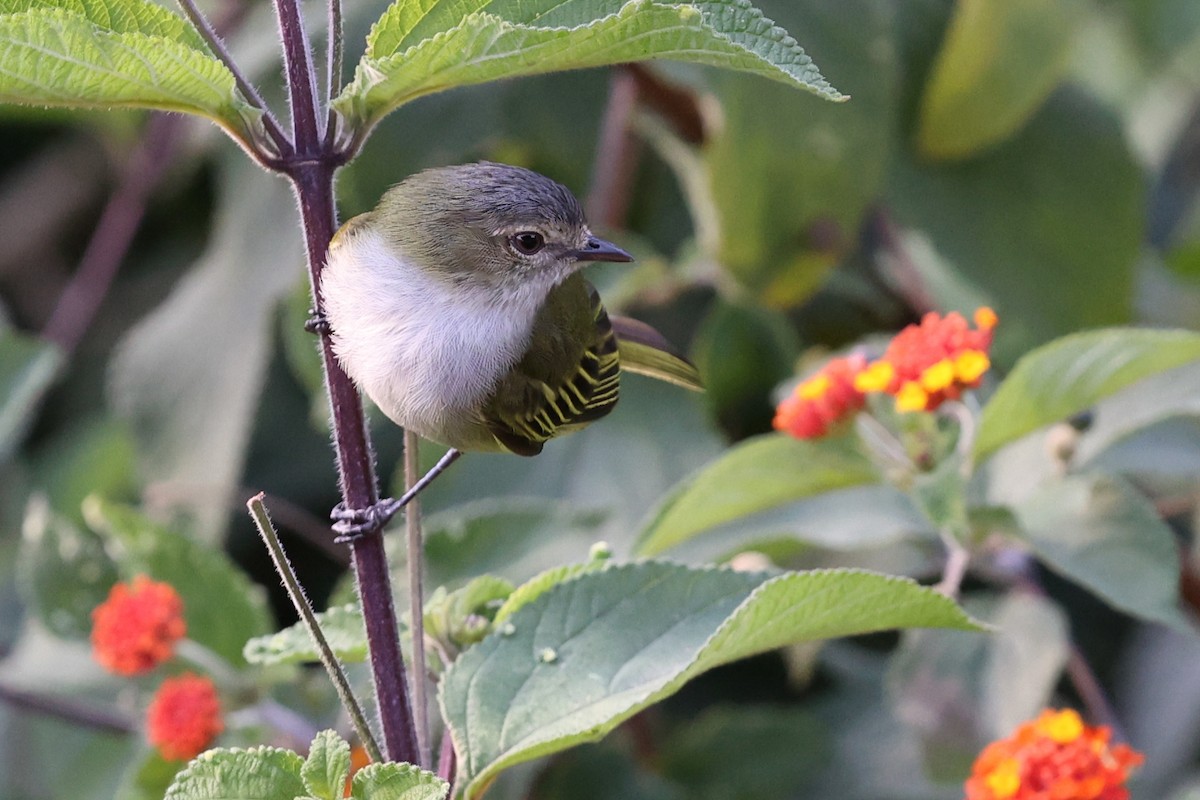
(570, 377)
(646, 352)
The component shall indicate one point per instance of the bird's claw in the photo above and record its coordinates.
(351, 524)
(316, 323)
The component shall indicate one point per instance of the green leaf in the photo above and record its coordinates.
(1101, 533)
(844, 520)
(595, 650)
(397, 782)
(420, 48)
(999, 62)
(746, 753)
(327, 767)
(222, 607)
(513, 536)
(119, 16)
(28, 367)
(1069, 375)
(98, 55)
(342, 625)
(1046, 227)
(789, 181)
(759, 474)
(90, 456)
(261, 773)
(65, 572)
(537, 586)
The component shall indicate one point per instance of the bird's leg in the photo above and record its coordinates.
(352, 523)
(316, 322)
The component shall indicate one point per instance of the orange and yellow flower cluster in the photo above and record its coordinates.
(822, 400)
(927, 364)
(924, 366)
(1055, 757)
(134, 631)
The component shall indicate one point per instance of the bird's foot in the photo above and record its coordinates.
(354, 523)
(351, 524)
(316, 322)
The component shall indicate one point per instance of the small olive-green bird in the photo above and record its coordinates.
(457, 305)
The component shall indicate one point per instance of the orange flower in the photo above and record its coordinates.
(358, 760)
(1055, 757)
(136, 628)
(824, 399)
(928, 364)
(184, 717)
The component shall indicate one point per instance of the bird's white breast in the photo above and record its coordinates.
(424, 350)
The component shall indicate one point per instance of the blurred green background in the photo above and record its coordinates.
(1038, 156)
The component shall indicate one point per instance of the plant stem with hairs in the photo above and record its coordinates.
(309, 159)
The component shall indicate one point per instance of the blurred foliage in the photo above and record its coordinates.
(1041, 158)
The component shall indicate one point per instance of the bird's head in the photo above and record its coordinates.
(492, 224)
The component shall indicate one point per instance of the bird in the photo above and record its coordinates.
(457, 305)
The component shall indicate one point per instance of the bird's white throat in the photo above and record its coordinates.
(422, 348)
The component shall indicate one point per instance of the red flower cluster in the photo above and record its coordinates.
(184, 717)
(134, 631)
(1055, 757)
(136, 628)
(822, 400)
(928, 364)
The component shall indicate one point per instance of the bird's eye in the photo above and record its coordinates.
(528, 242)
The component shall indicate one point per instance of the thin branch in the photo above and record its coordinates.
(1091, 692)
(446, 760)
(958, 558)
(248, 90)
(270, 538)
(335, 48)
(416, 598)
(119, 222)
(616, 154)
(69, 710)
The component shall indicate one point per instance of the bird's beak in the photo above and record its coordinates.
(599, 250)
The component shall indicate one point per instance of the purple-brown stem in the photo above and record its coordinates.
(616, 154)
(447, 760)
(313, 182)
(311, 173)
(114, 232)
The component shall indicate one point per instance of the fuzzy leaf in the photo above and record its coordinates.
(327, 767)
(757, 475)
(1101, 533)
(342, 626)
(92, 54)
(397, 782)
(1069, 375)
(593, 651)
(419, 47)
(262, 773)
